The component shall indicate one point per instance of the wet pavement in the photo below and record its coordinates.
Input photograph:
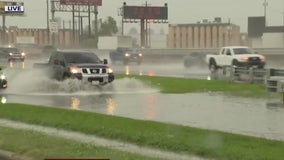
(131, 98)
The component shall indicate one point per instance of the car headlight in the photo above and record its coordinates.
(127, 54)
(2, 77)
(10, 53)
(23, 54)
(3, 100)
(262, 58)
(74, 69)
(109, 70)
(245, 58)
(140, 54)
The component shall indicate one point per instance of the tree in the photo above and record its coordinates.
(108, 27)
(133, 31)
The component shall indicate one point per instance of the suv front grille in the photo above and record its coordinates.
(94, 70)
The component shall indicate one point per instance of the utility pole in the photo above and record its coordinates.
(265, 4)
(146, 27)
(96, 26)
(73, 24)
(3, 29)
(47, 21)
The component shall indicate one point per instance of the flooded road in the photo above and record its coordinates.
(131, 98)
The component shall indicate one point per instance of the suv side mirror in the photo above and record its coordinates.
(105, 61)
(58, 62)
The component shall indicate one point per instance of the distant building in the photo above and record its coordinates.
(263, 36)
(205, 34)
(64, 37)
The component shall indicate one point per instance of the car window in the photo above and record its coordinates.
(131, 50)
(228, 52)
(79, 57)
(242, 51)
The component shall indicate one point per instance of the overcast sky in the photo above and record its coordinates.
(179, 11)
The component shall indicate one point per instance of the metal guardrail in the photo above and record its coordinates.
(272, 78)
(251, 75)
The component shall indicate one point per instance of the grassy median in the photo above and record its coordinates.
(205, 143)
(186, 85)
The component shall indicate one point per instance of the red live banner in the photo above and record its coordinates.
(81, 2)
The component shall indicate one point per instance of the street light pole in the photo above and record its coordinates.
(265, 4)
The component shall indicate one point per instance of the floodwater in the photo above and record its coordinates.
(131, 98)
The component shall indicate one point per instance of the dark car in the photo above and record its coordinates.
(195, 59)
(48, 49)
(12, 53)
(3, 80)
(83, 65)
(126, 55)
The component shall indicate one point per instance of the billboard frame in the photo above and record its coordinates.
(81, 2)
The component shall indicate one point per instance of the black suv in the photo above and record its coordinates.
(83, 65)
(12, 53)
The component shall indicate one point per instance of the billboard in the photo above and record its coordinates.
(145, 12)
(256, 26)
(11, 8)
(81, 2)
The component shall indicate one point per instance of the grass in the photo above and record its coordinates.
(186, 85)
(177, 138)
(40, 146)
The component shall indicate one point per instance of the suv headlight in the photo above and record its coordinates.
(74, 69)
(109, 70)
(2, 76)
(3, 100)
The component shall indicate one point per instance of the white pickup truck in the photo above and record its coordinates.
(240, 56)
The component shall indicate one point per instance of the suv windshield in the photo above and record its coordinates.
(81, 57)
(9, 50)
(132, 51)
